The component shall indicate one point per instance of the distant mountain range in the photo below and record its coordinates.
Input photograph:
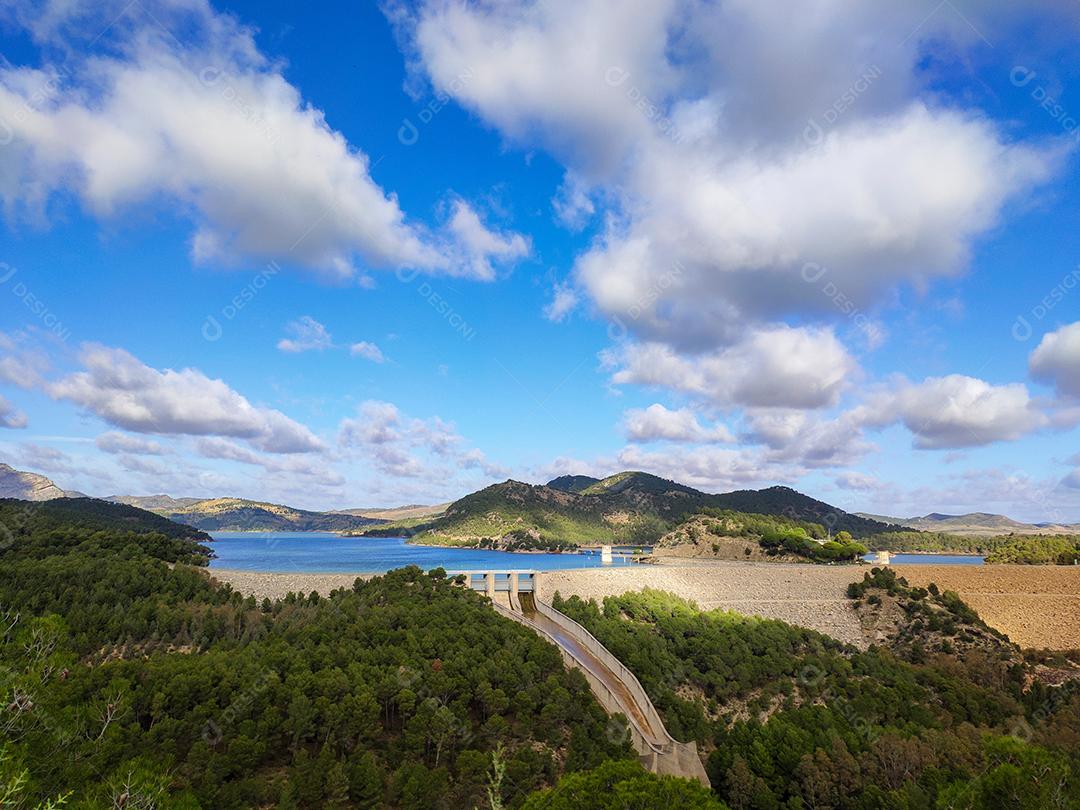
(28, 486)
(629, 507)
(239, 514)
(976, 524)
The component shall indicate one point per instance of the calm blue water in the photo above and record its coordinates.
(931, 559)
(327, 553)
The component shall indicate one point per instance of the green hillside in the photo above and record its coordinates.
(90, 514)
(641, 482)
(632, 508)
(572, 483)
(238, 514)
(786, 501)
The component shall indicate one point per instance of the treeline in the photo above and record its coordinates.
(1038, 550)
(128, 676)
(778, 534)
(25, 517)
(793, 719)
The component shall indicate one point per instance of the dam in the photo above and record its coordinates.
(516, 595)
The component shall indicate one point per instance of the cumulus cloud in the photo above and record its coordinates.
(407, 447)
(573, 204)
(21, 364)
(305, 334)
(693, 118)
(808, 440)
(369, 351)
(114, 442)
(482, 248)
(564, 299)
(10, 416)
(710, 468)
(128, 394)
(957, 411)
(776, 367)
(858, 482)
(196, 125)
(658, 423)
(1056, 360)
(313, 470)
(38, 457)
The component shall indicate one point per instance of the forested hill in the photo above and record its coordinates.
(131, 679)
(793, 504)
(629, 507)
(951, 717)
(90, 514)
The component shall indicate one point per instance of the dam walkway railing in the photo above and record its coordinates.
(515, 595)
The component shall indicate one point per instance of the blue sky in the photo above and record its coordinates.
(482, 241)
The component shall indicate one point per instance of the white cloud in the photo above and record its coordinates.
(808, 440)
(305, 334)
(710, 468)
(893, 201)
(957, 411)
(196, 126)
(369, 351)
(736, 195)
(114, 442)
(10, 416)
(21, 364)
(481, 247)
(859, 482)
(1056, 360)
(124, 392)
(572, 204)
(314, 470)
(776, 367)
(406, 447)
(477, 459)
(564, 299)
(39, 458)
(657, 423)
(200, 126)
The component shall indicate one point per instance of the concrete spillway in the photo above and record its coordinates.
(615, 686)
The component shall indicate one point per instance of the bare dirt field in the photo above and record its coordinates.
(1036, 606)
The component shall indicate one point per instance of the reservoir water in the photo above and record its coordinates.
(930, 559)
(324, 553)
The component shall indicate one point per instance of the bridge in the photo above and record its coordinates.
(516, 595)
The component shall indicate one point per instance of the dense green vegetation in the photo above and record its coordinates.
(778, 534)
(1038, 550)
(623, 786)
(87, 514)
(796, 506)
(912, 540)
(518, 516)
(795, 720)
(123, 674)
(572, 483)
